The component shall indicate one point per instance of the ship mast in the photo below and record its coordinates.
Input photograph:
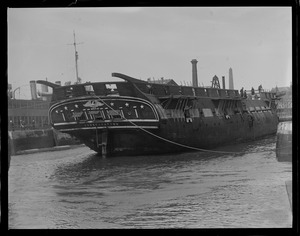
(78, 79)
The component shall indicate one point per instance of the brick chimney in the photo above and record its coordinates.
(194, 73)
(223, 82)
(230, 79)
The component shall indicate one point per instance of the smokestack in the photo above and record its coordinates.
(230, 79)
(33, 90)
(223, 81)
(194, 72)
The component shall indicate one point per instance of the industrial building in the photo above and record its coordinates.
(29, 114)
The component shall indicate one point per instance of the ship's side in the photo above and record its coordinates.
(135, 117)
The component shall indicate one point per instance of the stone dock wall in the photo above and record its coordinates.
(284, 142)
(36, 139)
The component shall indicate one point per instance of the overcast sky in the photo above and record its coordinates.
(151, 42)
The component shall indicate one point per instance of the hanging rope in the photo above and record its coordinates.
(183, 145)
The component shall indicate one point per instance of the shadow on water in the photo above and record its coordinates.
(95, 176)
(92, 167)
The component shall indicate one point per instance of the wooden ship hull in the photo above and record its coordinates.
(136, 117)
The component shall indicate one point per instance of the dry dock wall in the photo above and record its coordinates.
(35, 139)
(284, 142)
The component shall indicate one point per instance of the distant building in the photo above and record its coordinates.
(280, 89)
(285, 95)
(27, 114)
(283, 92)
(163, 81)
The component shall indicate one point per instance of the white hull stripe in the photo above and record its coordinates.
(92, 122)
(111, 127)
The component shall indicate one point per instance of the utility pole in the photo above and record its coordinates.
(78, 80)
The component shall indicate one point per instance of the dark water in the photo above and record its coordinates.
(77, 189)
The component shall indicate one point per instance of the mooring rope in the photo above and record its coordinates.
(183, 145)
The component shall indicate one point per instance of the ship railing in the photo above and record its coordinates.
(125, 89)
(200, 92)
(92, 89)
(262, 94)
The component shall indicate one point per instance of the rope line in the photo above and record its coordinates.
(183, 145)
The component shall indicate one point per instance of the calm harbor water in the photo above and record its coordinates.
(78, 189)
